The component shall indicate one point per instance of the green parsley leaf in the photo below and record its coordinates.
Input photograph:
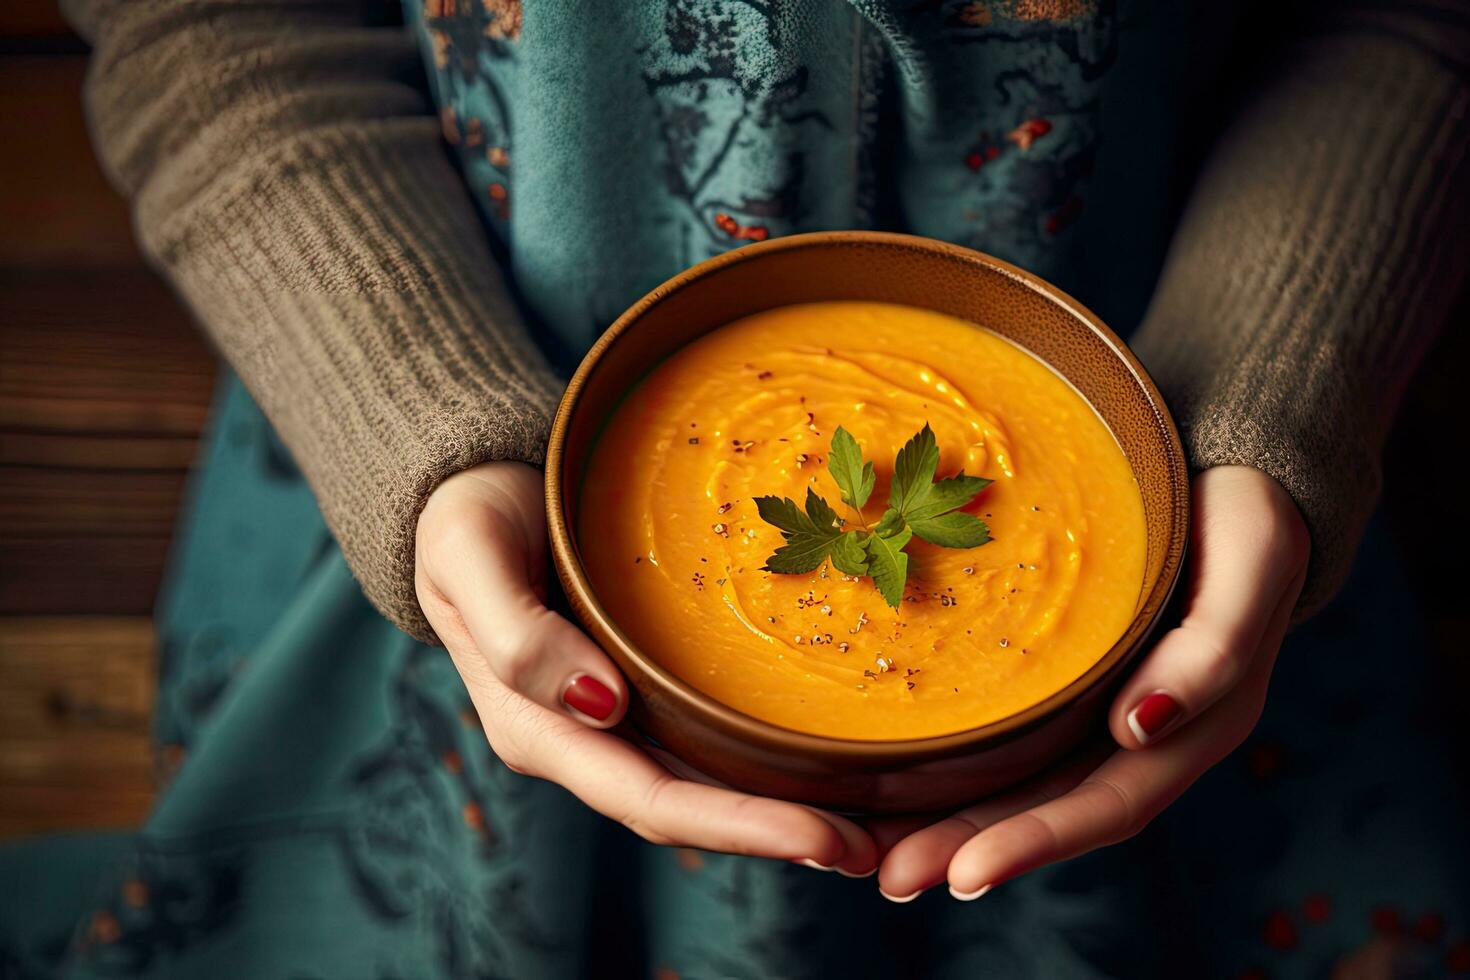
(812, 536)
(854, 477)
(849, 556)
(891, 523)
(954, 530)
(888, 564)
(822, 515)
(913, 471)
(784, 513)
(945, 496)
(917, 507)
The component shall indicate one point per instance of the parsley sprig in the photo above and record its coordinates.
(918, 506)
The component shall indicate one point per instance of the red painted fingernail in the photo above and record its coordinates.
(590, 696)
(1152, 715)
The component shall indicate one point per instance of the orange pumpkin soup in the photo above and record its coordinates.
(674, 547)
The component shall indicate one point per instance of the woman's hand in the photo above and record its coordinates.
(544, 691)
(1193, 699)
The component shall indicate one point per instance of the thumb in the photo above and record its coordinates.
(480, 560)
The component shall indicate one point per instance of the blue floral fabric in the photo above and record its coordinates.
(606, 153)
(332, 806)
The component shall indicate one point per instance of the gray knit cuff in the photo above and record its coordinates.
(1315, 263)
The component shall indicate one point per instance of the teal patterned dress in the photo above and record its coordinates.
(333, 809)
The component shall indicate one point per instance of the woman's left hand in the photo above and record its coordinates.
(1194, 698)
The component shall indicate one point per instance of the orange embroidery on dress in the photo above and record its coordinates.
(170, 761)
(452, 762)
(474, 817)
(506, 22)
(980, 158)
(135, 893)
(105, 928)
(974, 15)
(441, 8)
(1056, 11)
(450, 125)
(737, 231)
(501, 196)
(1029, 132)
(497, 157)
(690, 859)
(440, 40)
(474, 132)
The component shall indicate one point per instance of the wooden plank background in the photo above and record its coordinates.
(103, 392)
(104, 388)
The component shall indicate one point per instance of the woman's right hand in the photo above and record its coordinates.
(545, 691)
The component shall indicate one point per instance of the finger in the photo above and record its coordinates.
(860, 857)
(616, 779)
(532, 650)
(920, 860)
(887, 832)
(1121, 796)
(862, 854)
(1249, 556)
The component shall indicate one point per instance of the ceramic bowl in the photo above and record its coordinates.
(859, 776)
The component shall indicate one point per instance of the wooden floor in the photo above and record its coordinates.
(74, 709)
(104, 388)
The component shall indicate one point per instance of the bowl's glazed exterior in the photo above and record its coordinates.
(873, 777)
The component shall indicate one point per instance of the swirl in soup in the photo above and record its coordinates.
(675, 550)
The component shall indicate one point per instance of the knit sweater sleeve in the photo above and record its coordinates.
(287, 176)
(1319, 253)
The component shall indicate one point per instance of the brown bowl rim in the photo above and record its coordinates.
(751, 729)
